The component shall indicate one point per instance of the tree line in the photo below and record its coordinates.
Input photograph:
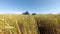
(27, 13)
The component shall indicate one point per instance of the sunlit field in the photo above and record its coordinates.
(29, 24)
(17, 24)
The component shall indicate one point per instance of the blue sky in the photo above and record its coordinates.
(33, 6)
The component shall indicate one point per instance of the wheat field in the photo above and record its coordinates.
(29, 24)
(17, 24)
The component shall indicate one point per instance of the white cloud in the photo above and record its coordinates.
(10, 12)
(56, 12)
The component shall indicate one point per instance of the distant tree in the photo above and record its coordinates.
(33, 13)
(26, 13)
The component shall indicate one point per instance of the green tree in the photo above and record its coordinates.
(33, 13)
(26, 13)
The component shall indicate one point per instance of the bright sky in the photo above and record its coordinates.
(33, 6)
